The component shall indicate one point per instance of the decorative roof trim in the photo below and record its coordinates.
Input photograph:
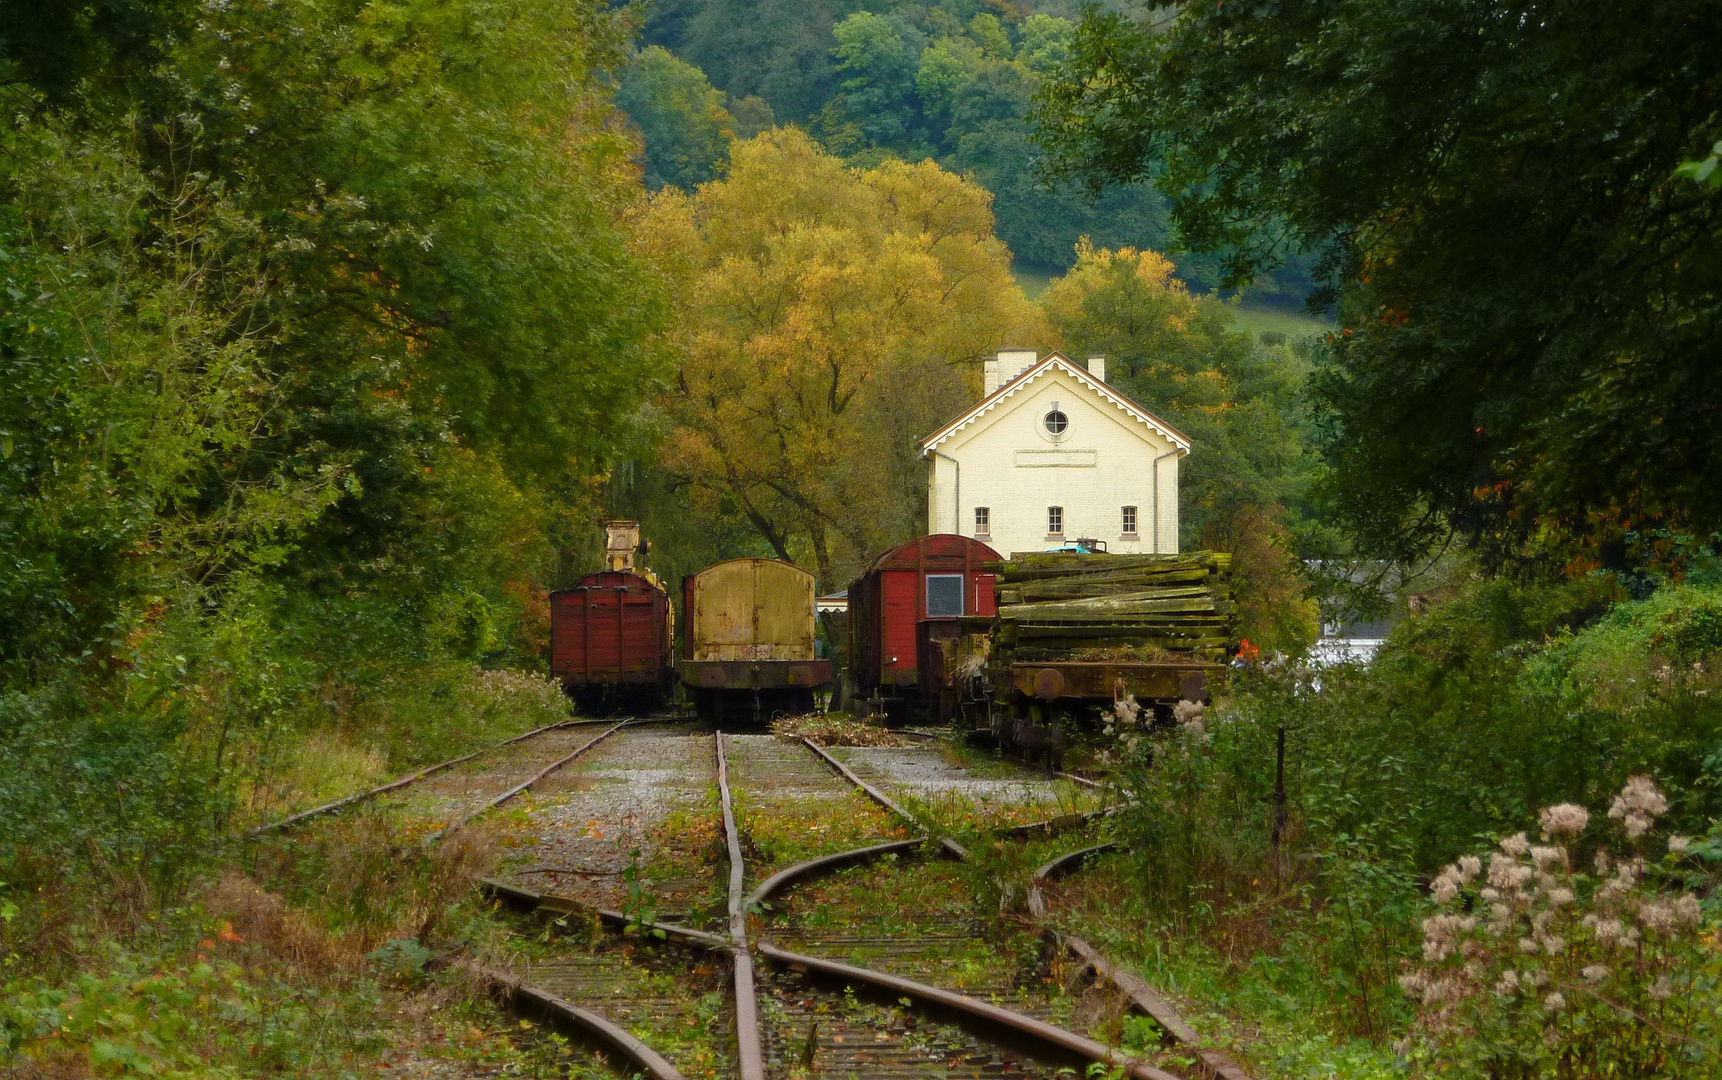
(1051, 360)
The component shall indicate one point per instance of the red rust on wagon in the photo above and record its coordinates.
(610, 639)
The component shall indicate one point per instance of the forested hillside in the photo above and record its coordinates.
(951, 81)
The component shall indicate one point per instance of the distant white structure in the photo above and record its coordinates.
(1052, 454)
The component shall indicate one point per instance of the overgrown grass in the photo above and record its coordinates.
(288, 956)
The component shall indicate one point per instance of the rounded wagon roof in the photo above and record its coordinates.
(784, 563)
(938, 549)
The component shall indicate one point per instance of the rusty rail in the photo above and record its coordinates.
(1052, 1035)
(1213, 1062)
(957, 850)
(1057, 868)
(518, 992)
(341, 804)
(434, 837)
(828, 862)
(750, 1058)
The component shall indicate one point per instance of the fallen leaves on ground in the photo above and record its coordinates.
(837, 731)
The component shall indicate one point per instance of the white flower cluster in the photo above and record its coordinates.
(1525, 931)
(1189, 715)
(1638, 806)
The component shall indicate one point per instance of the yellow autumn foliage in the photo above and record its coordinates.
(826, 318)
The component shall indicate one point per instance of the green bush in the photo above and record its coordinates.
(1534, 968)
(203, 1018)
(1504, 699)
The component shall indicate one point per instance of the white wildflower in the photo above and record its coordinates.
(1555, 1002)
(1516, 845)
(1552, 945)
(1413, 984)
(1490, 893)
(1560, 896)
(1528, 946)
(1662, 989)
(1441, 934)
(1469, 867)
(1670, 916)
(1594, 973)
(1188, 712)
(1677, 845)
(1506, 874)
(1508, 984)
(1638, 806)
(1447, 884)
(1126, 710)
(1549, 859)
(1566, 819)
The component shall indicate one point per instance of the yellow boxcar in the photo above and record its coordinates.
(749, 649)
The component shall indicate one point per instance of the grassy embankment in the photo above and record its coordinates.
(311, 954)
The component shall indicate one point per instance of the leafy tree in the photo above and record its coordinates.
(317, 336)
(828, 319)
(1528, 289)
(1181, 356)
(776, 50)
(62, 50)
(877, 57)
(682, 120)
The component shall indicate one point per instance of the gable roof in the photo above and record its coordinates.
(1056, 361)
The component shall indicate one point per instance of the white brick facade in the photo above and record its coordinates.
(1003, 456)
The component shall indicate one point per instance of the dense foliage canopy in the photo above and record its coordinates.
(1528, 289)
(307, 364)
(950, 80)
(828, 318)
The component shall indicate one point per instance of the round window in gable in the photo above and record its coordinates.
(1056, 423)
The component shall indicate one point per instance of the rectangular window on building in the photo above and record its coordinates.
(1055, 521)
(1129, 521)
(983, 521)
(944, 596)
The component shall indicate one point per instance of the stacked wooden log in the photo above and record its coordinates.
(1057, 604)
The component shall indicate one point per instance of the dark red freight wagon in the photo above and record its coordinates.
(610, 641)
(919, 621)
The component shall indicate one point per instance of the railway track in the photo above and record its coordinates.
(917, 988)
(461, 792)
(650, 826)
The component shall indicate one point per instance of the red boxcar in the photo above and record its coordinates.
(914, 617)
(610, 641)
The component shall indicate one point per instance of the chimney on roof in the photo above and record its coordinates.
(1013, 362)
(989, 376)
(1097, 367)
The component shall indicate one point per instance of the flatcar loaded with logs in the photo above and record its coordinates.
(1076, 631)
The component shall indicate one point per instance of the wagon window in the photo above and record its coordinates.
(944, 596)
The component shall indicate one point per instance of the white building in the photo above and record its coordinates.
(1051, 454)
